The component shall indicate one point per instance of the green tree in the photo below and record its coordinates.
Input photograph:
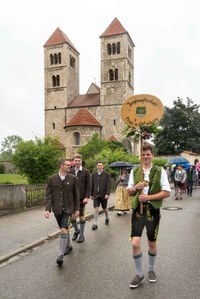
(180, 129)
(8, 146)
(37, 159)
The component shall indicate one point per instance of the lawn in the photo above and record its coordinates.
(12, 179)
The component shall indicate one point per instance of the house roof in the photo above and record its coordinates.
(85, 100)
(83, 118)
(115, 28)
(57, 38)
(112, 138)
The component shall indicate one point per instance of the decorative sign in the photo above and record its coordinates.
(141, 109)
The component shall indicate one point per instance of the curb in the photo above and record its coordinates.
(31, 245)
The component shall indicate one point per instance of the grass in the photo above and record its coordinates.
(12, 178)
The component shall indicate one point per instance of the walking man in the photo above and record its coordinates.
(84, 186)
(62, 197)
(101, 186)
(149, 192)
(180, 179)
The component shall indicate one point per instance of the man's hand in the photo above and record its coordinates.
(106, 196)
(85, 200)
(47, 214)
(76, 214)
(143, 197)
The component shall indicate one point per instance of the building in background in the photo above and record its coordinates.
(73, 117)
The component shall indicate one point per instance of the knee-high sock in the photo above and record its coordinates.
(152, 261)
(96, 215)
(75, 225)
(63, 243)
(82, 227)
(138, 264)
(68, 240)
(106, 213)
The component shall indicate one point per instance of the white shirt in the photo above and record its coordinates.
(164, 183)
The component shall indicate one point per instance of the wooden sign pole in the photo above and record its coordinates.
(141, 170)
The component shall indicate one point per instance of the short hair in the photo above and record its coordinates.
(147, 147)
(79, 156)
(61, 161)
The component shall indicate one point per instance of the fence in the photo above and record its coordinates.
(35, 195)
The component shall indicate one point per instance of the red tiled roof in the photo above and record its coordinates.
(114, 28)
(112, 138)
(83, 118)
(57, 38)
(85, 100)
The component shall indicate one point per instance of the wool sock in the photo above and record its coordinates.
(82, 227)
(63, 243)
(152, 260)
(106, 213)
(138, 264)
(96, 215)
(75, 225)
(68, 240)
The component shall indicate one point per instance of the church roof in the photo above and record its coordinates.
(57, 38)
(85, 100)
(83, 118)
(115, 28)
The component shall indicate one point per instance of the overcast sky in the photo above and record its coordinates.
(166, 34)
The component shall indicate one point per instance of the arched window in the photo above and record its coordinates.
(111, 75)
(59, 58)
(58, 80)
(118, 48)
(116, 74)
(54, 126)
(129, 52)
(114, 48)
(53, 81)
(109, 49)
(76, 138)
(55, 58)
(129, 77)
(51, 58)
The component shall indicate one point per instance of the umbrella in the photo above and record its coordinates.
(120, 164)
(178, 160)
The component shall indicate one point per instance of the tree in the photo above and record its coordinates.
(37, 159)
(8, 146)
(180, 129)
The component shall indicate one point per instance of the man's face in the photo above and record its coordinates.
(77, 162)
(65, 167)
(100, 166)
(147, 157)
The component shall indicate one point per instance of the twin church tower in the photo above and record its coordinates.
(75, 117)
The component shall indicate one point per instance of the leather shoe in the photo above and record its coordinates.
(75, 235)
(68, 250)
(107, 221)
(94, 227)
(81, 239)
(59, 260)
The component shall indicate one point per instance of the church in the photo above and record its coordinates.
(75, 117)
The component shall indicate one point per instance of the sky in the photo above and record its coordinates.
(166, 35)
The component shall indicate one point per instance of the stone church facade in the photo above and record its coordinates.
(73, 117)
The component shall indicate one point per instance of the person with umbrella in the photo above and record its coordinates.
(122, 201)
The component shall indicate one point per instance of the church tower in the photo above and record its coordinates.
(61, 72)
(117, 77)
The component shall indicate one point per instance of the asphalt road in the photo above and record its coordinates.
(102, 267)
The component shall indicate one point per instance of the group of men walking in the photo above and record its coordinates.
(69, 191)
(67, 194)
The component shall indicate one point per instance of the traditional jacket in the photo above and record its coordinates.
(62, 195)
(154, 186)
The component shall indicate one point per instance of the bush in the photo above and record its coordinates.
(1, 168)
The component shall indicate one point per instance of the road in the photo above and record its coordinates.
(102, 267)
